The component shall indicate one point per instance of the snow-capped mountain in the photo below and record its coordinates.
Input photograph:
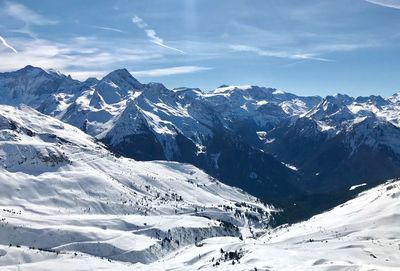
(32, 85)
(72, 196)
(149, 121)
(63, 192)
(350, 141)
(278, 146)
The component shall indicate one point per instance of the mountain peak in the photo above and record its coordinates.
(334, 106)
(226, 88)
(121, 73)
(336, 100)
(116, 85)
(344, 98)
(91, 81)
(30, 69)
(122, 77)
(395, 98)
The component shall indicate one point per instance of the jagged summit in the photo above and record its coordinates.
(395, 98)
(230, 89)
(344, 98)
(331, 107)
(30, 68)
(376, 100)
(122, 76)
(116, 86)
(91, 81)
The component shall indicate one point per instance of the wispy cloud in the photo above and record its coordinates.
(279, 54)
(139, 22)
(77, 54)
(343, 46)
(302, 44)
(25, 14)
(108, 28)
(170, 71)
(4, 42)
(386, 3)
(152, 34)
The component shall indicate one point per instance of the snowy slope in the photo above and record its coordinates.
(62, 191)
(362, 234)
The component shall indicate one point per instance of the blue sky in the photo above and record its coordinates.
(307, 47)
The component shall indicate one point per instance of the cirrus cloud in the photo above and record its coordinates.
(386, 3)
(279, 54)
(170, 71)
(23, 13)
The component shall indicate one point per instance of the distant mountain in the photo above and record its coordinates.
(300, 153)
(336, 144)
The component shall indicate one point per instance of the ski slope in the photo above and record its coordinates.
(64, 193)
(362, 234)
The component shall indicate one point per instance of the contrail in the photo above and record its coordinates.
(169, 47)
(108, 28)
(7, 45)
(152, 35)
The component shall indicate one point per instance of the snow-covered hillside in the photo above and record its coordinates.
(65, 196)
(362, 234)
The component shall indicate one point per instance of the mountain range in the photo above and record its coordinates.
(299, 153)
(114, 174)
